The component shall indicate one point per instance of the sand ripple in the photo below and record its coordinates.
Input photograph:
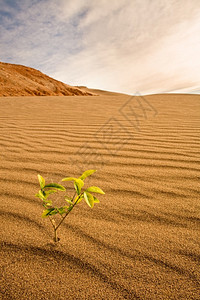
(142, 240)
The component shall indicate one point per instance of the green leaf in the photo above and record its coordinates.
(86, 174)
(47, 202)
(70, 208)
(95, 189)
(69, 201)
(79, 200)
(49, 212)
(89, 199)
(69, 179)
(55, 186)
(41, 181)
(78, 184)
(68, 197)
(96, 200)
(49, 192)
(62, 210)
(38, 196)
(45, 213)
(41, 194)
(44, 194)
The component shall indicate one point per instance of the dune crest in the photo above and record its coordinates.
(18, 80)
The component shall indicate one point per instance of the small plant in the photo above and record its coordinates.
(50, 210)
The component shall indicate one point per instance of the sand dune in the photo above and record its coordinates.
(142, 240)
(100, 92)
(17, 80)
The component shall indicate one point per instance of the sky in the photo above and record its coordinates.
(130, 46)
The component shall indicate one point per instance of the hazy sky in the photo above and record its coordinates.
(145, 46)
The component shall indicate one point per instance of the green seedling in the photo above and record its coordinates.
(46, 190)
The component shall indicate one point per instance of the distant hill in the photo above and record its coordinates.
(100, 92)
(18, 80)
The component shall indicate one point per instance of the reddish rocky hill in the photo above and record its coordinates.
(17, 80)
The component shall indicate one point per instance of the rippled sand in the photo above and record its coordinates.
(142, 240)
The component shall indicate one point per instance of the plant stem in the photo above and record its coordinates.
(55, 235)
(68, 212)
(60, 213)
(54, 228)
(52, 222)
(62, 219)
(73, 196)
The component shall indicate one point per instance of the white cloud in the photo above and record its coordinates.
(121, 45)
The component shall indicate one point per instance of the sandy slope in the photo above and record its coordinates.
(18, 80)
(100, 92)
(142, 240)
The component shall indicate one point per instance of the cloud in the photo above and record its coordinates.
(140, 45)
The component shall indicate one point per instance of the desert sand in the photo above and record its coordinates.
(142, 240)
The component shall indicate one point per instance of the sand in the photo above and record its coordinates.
(142, 240)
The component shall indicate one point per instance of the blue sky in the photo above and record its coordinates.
(145, 46)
